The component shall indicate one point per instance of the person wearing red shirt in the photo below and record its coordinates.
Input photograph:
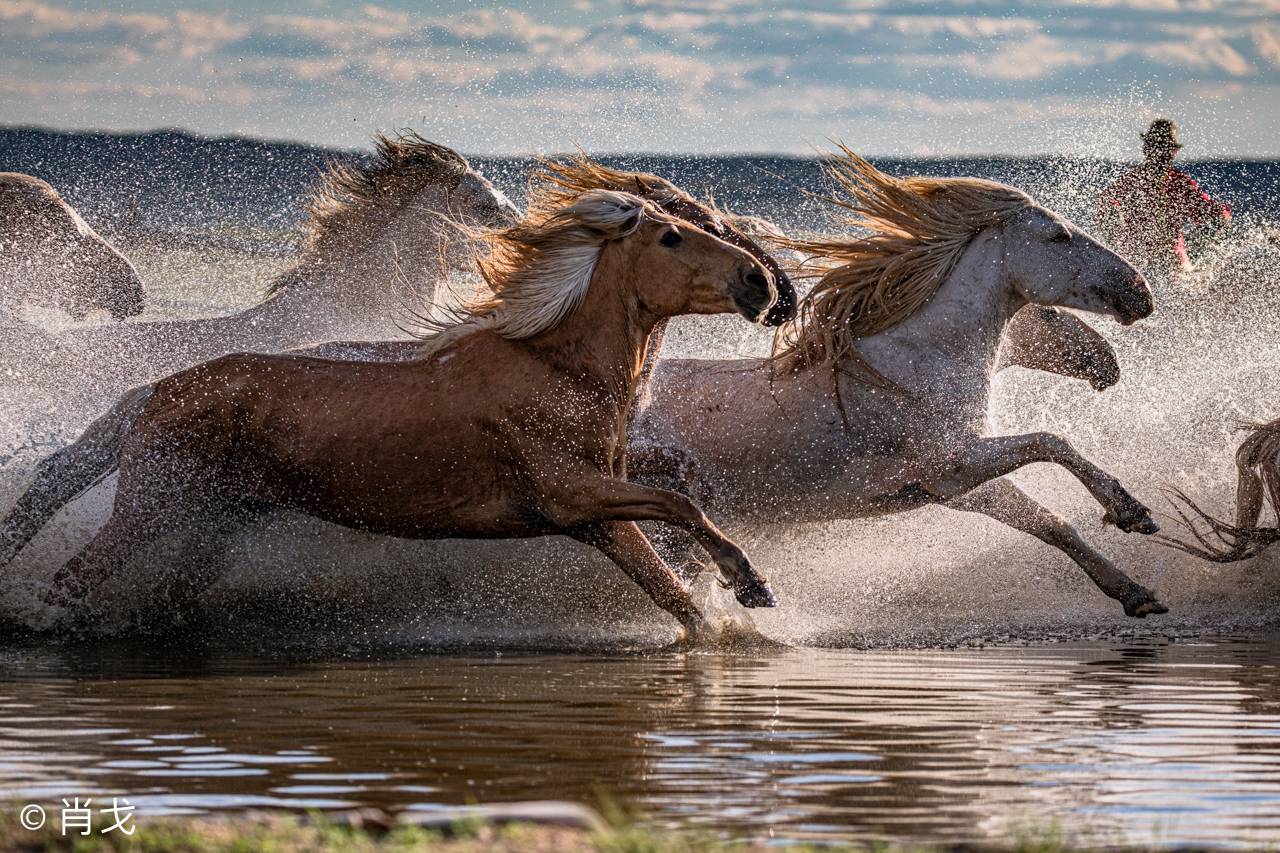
(1143, 212)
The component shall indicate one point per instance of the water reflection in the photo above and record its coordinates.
(1144, 741)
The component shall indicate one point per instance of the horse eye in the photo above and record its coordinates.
(671, 239)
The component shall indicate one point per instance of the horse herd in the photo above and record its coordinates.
(540, 405)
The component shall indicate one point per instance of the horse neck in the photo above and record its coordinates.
(607, 337)
(948, 349)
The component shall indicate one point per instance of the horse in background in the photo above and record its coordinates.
(510, 423)
(876, 399)
(370, 228)
(1257, 483)
(51, 258)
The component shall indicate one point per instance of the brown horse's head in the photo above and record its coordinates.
(52, 257)
(557, 179)
(540, 270)
(688, 270)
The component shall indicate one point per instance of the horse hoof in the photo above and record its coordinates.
(756, 595)
(1144, 605)
(1133, 517)
(693, 627)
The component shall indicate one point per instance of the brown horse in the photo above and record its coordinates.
(1257, 481)
(63, 475)
(50, 257)
(509, 425)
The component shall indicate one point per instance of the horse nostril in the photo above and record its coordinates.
(755, 279)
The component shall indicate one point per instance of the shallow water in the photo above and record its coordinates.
(1138, 740)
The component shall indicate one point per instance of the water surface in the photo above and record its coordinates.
(1137, 740)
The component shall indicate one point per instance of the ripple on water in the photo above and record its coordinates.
(1127, 741)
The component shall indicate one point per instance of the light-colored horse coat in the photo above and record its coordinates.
(369, 227)
(50, 257)
(897, 419)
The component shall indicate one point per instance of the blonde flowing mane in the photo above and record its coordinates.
(538, 270)
(919, 227)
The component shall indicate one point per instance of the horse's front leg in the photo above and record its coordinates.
(626, 545)
(1006, 503)
(988, 458)
(607, 499)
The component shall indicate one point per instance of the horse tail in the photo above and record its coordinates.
(70, 472)
(1258, 460)
(1258, 481)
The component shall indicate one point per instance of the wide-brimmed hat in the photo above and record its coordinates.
(1163, 133)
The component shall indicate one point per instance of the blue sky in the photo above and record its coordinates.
(956, 76)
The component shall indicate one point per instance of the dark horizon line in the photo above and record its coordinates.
(295, 143)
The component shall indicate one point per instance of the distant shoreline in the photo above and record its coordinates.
(235, 139)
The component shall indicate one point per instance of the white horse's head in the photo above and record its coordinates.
(1050, 261)
(403, 203)
(50, 257)
(380, 235)
(910, 237)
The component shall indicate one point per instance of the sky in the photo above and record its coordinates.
(700, 76)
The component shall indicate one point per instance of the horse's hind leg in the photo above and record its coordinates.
(625, 544)
(59, 479)
(989, 458)
(139, 517)
(1006, 503)
(119, 538)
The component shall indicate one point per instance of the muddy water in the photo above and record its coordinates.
(1135, 740)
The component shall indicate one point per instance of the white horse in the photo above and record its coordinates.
(876, 400)
(369, 228)
(50, 257)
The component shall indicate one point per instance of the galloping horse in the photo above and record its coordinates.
(50, 257)
(508, 424)
(367, 227)
(876, 399)
(1257, 482)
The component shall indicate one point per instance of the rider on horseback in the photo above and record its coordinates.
(1142, 213)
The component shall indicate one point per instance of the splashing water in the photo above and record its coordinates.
(1204, 361)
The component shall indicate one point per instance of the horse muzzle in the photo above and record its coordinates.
(1134, 301)
(754, 294)
(125, 297)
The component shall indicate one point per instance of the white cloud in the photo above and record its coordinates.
(708, 62)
